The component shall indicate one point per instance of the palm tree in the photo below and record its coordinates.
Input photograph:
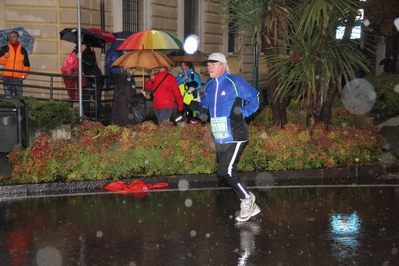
(321, 63)
(258, 21)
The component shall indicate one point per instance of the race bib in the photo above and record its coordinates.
(219, 127)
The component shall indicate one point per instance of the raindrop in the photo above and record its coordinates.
(193, 233)
(396, 88)
(264, 180)
(99, 234)
(183, 185)
(191, 44)
(49, 256)
(207, 235)
(359, 96)
(188, 203)
(263, 135)
(396, 22)
(146, 161)
(394, 251)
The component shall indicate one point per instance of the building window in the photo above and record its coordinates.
(232, 37)
(131, 15)
(189, 17)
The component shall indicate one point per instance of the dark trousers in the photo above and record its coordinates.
(227, 156)
(163, 114)
(95, 91)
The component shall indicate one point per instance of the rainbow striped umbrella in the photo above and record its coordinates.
(151, 40)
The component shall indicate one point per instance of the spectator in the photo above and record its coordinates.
(124, 95)
(388, 64)
(166, 91)
(70, 67)
(94, 84)
(189, 83)
(14, 56)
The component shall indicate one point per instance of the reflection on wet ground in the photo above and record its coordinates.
(315, 225)
(391, 135)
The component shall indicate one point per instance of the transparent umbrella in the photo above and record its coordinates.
(24, 38)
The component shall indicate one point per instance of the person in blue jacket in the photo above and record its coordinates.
(189, 84)
(228, 99)
(188, 74)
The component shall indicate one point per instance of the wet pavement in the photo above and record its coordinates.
(338, 220)
(345, 224)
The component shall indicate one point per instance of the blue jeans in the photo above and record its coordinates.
(12, 89)
(163, 114)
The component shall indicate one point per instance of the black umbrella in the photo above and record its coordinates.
(182, 56)
(89, 37)
(122, 35)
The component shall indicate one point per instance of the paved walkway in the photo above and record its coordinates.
(392, 122)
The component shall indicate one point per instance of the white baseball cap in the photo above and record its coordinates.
(217, 57)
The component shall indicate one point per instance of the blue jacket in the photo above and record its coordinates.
(221, 95)
(192, 76)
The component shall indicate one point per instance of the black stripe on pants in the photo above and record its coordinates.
(227, 156)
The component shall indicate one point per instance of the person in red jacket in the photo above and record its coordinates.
(14, 56)
(166, 91)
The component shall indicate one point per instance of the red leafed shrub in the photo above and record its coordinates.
(98, 152)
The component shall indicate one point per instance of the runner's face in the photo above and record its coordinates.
(215, 69)
(13, 38)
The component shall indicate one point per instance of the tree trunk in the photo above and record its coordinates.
(278, 106)
(326, 109)
(311, 116)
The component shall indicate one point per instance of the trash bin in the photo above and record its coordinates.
(13, 122)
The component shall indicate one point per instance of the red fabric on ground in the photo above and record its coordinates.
(135, 186)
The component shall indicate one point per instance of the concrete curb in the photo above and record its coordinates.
(203, 181)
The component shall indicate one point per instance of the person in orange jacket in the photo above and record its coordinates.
(166, 91)
(14, 56)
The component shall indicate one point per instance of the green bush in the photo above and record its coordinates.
(387, 99)
(48, 115)
(99, 152)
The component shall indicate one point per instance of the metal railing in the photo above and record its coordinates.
(55, 88)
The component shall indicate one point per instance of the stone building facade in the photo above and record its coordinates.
(44, 19)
